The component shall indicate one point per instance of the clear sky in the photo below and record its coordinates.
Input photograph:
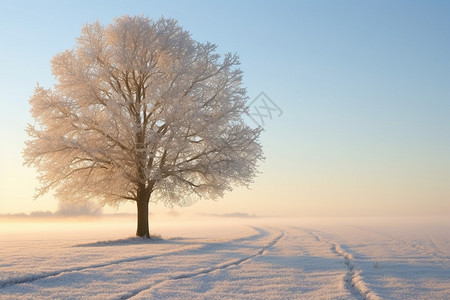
(364, 87)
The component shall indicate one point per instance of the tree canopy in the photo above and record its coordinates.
(141, 112)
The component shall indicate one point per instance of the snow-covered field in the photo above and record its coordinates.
(229, 258)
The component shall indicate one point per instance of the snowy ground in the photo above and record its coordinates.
(229, 258)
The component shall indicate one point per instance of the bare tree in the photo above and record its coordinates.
(141, 112)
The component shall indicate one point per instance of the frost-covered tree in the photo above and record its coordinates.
(141, 112)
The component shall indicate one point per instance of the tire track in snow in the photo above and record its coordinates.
(353, 280)
(34, 277)
(203, 271)
(316, 237)
(435, 244)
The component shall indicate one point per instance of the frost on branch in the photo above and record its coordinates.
(141, 112)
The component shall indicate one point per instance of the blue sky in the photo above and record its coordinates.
(363, 85)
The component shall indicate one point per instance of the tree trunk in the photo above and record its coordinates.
(142, 218)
